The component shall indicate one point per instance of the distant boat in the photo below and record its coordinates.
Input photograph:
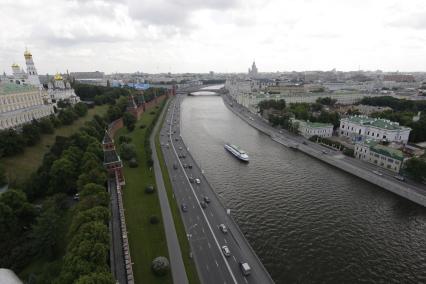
(203, 93)
(237, 152)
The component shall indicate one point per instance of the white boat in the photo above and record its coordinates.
(237, 152)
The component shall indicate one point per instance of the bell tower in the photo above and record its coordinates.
(31, 70)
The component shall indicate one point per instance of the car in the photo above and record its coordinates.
(185, 166)
(183, 156)
(305, 143)
(377, 173)
(245, 268)
(398, 177)
(76, 197)
(206, 199)
(190, 166)
(197, 181)
(184, 207)
(324, 152)
(175, 166)
(176, 139)
(223, 228)
(226, 251)
(191, 179)
(203, 204)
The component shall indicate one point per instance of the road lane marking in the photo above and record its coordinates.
(245, 279)
(217, 264)
(225, 241)
(234, 258)
(207, 266)
(211, 214)
(202, 211)
(202, 229)
(210, 246)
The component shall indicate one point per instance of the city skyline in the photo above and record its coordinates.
(219, 36)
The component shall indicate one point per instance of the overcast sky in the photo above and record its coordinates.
(219, 35)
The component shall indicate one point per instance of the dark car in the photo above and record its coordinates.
(203, 204)
(191, 179)
(190, 166)
(206, 199)
(175, 166)
(184, 207)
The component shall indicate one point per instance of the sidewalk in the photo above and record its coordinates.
(175, 254)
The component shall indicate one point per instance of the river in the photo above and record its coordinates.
(307, 221)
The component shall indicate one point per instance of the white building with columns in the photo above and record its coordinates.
(361, 127)
(20, 104)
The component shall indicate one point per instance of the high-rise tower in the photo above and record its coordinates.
(31, 70)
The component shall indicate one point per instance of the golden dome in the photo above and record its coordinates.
(14, 65)
(58, 77)
(27, 53)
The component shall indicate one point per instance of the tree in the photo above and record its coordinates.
(46, 232)
(11, 143)
(149, 189)
(154, 220)
(129, 120)
(416, 169)
(46, 126)
(81, 109)
(96, 278)
(31, 133)
(160, 265)
(97, 213)
(62, 176)
(3, 177)
(67, 116)
(127, 151)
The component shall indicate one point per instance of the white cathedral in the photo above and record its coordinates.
(23, 98)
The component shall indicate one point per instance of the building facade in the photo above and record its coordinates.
(362, 127)
(20, 104)
(380, 155)
(308, 129)
(60, 90)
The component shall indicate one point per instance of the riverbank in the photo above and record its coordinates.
(408, 191)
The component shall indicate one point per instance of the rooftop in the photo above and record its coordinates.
(376, 122)
(7, 88)
(384, 150)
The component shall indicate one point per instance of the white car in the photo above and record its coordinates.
(226, 251)
(377, 173)
(197, 181)
(223, 228)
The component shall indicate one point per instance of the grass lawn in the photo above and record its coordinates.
(20, 167)
(146, 241)
(191, 271)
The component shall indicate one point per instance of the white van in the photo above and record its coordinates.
(245, 268)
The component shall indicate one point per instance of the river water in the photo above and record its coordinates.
(307, 221)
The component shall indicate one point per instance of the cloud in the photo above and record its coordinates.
(174, 12)
(414, 21)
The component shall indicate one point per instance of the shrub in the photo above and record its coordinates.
(154, 220)
(133, 163)
(142, 126)
(160, 266)
(152, 112)
(149, 189)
